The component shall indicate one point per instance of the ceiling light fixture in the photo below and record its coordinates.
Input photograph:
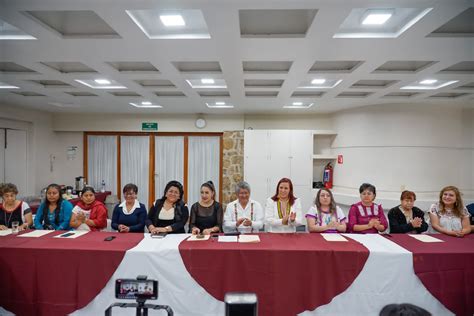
(7, 86)
(207, 81)
(377, 17)
(146, 106)
(298, 106)
(220, 103)
(428, 81)
(318, 81)
(146, 103)
(297, 103)
(102, 81)
(172, 20)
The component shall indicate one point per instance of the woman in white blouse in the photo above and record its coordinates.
(283, 210)
(244, 214)
(449, 216)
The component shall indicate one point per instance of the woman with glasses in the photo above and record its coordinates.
(168, 214)
(130, 215)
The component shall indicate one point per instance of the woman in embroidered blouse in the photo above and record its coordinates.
(367, 216)
(130, 215)
(244, 214)
(283, 210)
(88, 214)
(169, 214)
(407, 218)
(449, 216)
(13, 210)
(54, 213)
(206, 215)
(325, 216)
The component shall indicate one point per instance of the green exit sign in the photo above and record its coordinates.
(148, 126)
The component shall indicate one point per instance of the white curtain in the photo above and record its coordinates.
(134, 157)
(169, 162)
(102, 162)
(203, 165)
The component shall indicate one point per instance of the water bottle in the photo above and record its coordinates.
(102, 189)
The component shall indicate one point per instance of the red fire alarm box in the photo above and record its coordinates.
(340, 159)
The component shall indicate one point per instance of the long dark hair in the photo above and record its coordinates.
(291, 197)
(177, 185)
(57, 187)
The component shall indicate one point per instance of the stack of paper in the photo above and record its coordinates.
(5, 232)
(249, 238)
(195, 238)
(227, 239)
(36, 233)
(426, 238)
(333, 237)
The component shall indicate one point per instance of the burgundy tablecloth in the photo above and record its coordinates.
(53, 276)
(99, 196)
(445, 269)
(290, 273)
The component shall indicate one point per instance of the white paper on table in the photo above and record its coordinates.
(36, 233)
(194, 238)
(5, 232)
(426, 238)
(333, 237)
(227, 239)
(75, 234)
(249, 238)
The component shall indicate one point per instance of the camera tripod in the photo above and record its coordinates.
(141, 307)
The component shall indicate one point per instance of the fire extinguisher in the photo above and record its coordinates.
(328, 176)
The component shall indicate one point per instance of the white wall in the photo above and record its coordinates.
(399, 147)
(132, 123)
(40, 141)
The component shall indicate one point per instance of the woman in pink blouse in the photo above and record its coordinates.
(367, 217)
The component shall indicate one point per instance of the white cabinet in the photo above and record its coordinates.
(270, 155)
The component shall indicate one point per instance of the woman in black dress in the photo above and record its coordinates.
(207, 214)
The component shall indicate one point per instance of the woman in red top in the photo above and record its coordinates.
(367, 216)
(89, 214)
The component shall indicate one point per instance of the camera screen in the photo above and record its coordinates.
(133, 289)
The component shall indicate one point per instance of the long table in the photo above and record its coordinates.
(291, 273)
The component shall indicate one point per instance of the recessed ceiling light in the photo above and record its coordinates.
(172, 20)
(428, 81)
(146, 103)
(146, 106)
(298, 106)
(207, 81)
(318, 81)
(102, 81)
(377, 17)
(7, 86)
(220, 103)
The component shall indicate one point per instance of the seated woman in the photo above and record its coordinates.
(367, 217)
(449, 216)
(207, 214)
(88, 214)
(283, 210)
(168, 214)
(244, 214)
(325, 216)
(13, 210)
(54, 213)
(130, 215)
(406, 218)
